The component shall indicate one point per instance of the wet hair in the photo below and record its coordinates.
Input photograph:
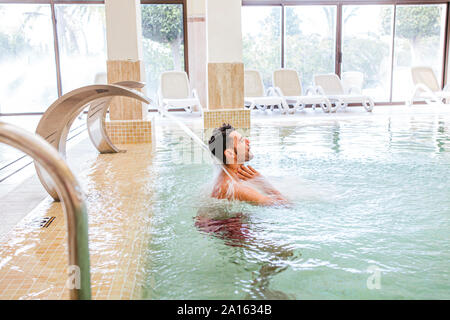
(218, 142)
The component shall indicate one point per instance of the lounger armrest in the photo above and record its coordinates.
(194, 93)
(320, 91)
(354, 90)
(270, 92)
(421, 87)
(311, 90)
(195, 96)
(278, 91)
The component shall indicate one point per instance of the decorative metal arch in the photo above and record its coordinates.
(55, 123)
(96, 120)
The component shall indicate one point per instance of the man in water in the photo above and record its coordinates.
(243, 182)
(246, 184)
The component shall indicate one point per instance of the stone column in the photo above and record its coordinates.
(124, 41)
(124, 33)
(225, 66)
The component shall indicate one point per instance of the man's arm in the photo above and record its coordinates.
(248, 173)
(245, 193)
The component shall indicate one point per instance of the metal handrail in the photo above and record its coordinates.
(69, 192)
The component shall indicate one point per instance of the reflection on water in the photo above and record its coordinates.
(368, 191)
(336, 139)
(233, 230)
(236, 231)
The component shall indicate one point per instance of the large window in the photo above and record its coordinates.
(367, 46)
(419, 41)
(27, 58)
(376, 44)
(262, 39)
(82, 44)
(310, 37)
(34, 72)
(163, 42)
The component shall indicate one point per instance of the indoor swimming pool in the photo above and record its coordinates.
(370, 216)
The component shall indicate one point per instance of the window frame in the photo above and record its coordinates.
(185, 34)
(338, 45)
(52, 4)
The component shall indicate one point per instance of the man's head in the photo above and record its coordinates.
(229, 146)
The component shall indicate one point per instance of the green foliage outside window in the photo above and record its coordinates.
(163, 41)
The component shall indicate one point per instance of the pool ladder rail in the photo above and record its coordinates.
(70, 193)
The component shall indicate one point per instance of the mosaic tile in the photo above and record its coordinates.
(238, 118)
(117, 187)
(130, 131)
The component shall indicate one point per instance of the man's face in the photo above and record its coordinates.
(240, 147)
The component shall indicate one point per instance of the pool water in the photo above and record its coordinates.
(370, 217)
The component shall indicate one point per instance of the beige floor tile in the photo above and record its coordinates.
(33, 260)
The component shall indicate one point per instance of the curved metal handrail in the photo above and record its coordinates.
(55, 123)
(70, 193)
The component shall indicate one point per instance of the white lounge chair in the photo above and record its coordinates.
(352, 81)
(287, 84)
(175, 92)
(426, 87)
(254, 95)
(331, 86)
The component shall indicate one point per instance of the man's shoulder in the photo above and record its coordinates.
(222, 189)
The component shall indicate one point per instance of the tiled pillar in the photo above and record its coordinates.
(225, 67)
(123, 33)
(123, 108)
(124, 41)
(196, 30)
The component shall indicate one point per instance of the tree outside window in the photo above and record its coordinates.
(163, 42)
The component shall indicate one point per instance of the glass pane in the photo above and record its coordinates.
(82, 44)
(27, 58)
(261, 32)
(367, 47)
(310, 40)
(163, 42)
(419, 41)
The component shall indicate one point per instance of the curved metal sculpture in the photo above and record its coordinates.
(96, 120)
(55, 123)
(71, 196)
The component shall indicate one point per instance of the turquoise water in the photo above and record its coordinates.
(370, 216)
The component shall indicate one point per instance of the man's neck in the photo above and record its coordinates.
(232, 168)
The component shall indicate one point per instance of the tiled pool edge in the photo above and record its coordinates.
(33, 260)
